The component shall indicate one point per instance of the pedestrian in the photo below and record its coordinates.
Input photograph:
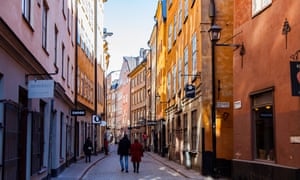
(123, 151)
(88, 148)
(136, 151)
(106, 146)
(145, 140)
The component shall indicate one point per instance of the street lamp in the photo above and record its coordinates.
(214, 34)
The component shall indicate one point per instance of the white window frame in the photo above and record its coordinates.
(180, 16)
(170, 37)
(26, 10)
(44, 25)
(259, 5)
(179, 73)
(186, 8)
(194, 54)
(174, 79)
(175, 28)
(169, 85)
(186, 65)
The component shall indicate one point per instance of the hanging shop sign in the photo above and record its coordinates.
(77, 112)
(295, 77)
(96, 119)
(40, 89)
(190, 91)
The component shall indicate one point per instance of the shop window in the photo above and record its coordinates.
(263, 123)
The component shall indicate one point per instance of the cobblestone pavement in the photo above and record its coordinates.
(151, 168)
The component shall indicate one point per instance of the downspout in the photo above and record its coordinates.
(95, 76)
(76, 140)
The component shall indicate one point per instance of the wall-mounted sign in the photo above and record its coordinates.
(295, 139)
(96, 119)
(76, 112)
(40, 89)
(223, 105)
(190, 91)
(237, 104)
(295, 77)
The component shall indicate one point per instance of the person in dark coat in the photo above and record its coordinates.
(136, 151)
(88, 148)
(106, 146)
(123, 151)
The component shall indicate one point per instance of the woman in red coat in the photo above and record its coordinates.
(136, 151)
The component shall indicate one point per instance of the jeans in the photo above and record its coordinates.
(122, 162)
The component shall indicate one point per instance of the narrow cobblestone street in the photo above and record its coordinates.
(150, 168)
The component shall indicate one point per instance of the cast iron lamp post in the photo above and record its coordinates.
(214, 34)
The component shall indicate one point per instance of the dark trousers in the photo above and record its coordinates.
(136, 166)
(88, 158)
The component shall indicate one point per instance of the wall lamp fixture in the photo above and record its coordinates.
(157, 96)
(215, 34)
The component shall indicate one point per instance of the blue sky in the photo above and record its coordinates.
(132, 22)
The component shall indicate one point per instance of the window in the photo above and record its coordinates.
(62, 61)
(170, 3)
(179, 73)
(194, 130)
(186, 65)
(194, 55)
(63, 8)
(170, 37)
(186, 8)
(174, 80)
(262, 110)
(68, 71)
(259, 5)
(175, 26)
(61, 134)
(55, 45)
(78, 82)
(37, 144)
(180, 16)
(185, 131)
(26, 9)
(44, 25)
(169, 85)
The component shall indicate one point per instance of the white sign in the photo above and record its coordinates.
(295, 139)
(237, 104)
(103, 123)
(40, 89)
(96, 119)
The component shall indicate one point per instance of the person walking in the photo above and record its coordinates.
(106, 146)
(123, 151)
(136, 151)
(88, 148)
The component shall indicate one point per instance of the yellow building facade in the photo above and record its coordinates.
(184, 82)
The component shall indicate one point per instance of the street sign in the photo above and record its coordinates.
(40, 89)
(77, 112)
(96, 119)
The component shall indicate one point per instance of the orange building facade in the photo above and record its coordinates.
(266, 112)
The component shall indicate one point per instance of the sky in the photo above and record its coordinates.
(131, 22)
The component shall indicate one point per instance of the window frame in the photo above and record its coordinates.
(186, 65)
(259, 6)
(260, 100)
(26, 10)
(44, 25)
